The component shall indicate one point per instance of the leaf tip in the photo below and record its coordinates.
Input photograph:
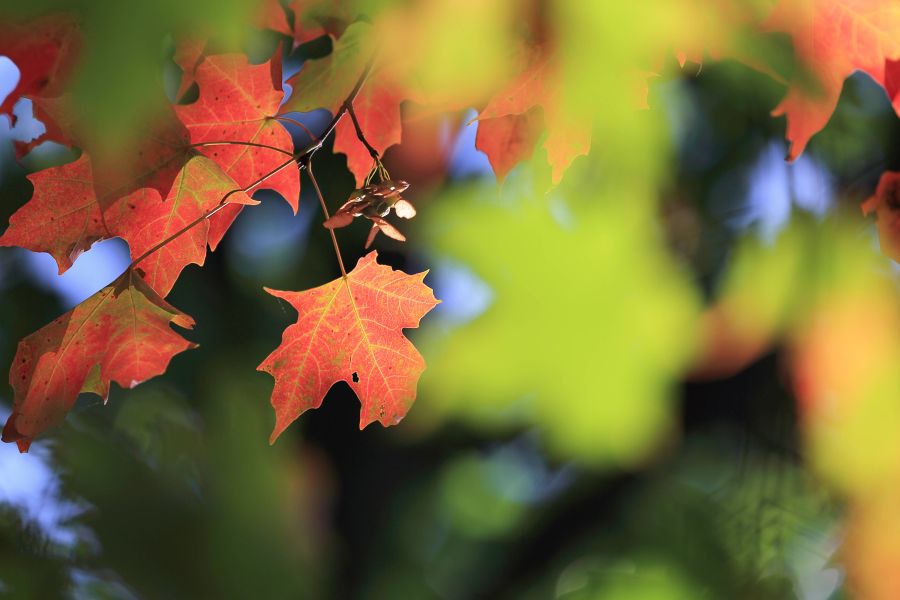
(277, 293)
(184, 321)
(365, 422)
(12, 434)
(281, 423)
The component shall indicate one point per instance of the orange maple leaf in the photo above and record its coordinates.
(120, 334)
(65, 217)
(351, 330)
(377, 106)
(509, 139)
(832, 39)
(535, 86)
(237, 103)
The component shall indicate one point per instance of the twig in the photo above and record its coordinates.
(334, 242)
(359, 133)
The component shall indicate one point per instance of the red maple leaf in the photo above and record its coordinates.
(270, 14)
(326, 82)
(892, 82)
(161, 149)
(377, 107)
(237, 103)
(44, 51)
(191, 50)
(832, 38)
(315, 18)
(144, 220)
(189, 53)
(64, 217)
(122, 334)
(351, 330)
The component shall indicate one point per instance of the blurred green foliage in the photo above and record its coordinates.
(545, 351)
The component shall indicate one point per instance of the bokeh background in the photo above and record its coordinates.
(562, 444)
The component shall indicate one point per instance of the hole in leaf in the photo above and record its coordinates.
(355, 377)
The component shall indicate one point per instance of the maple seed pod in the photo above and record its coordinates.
(382, 209)
(338, 220)
(374, 202)
(404, 208)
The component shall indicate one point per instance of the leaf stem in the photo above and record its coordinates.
(359, 133)
(307, 153)
(334, 242)
(254, 144)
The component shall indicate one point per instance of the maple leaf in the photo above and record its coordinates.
(189, 53)
(351, 330)
(377, 107)
(832, 38)
(122, 334)
(44, 51)
(145, 221)
(885, 203)
(271, 15)
(161, 149)
(326, 82)
(892, 82)
(64, 217)
(508, 140)
(315, 18)
(534, 87)
(236, 104)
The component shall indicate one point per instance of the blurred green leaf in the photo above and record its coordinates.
(590, 325)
